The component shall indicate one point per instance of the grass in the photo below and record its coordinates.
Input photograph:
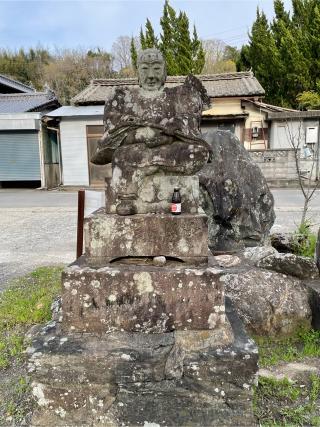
(18, 400)
(304, 241)
(305, 343)
(283, 403)
(26, 302)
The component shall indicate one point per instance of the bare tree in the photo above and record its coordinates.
(71, 70)
(215, 59)
(121, 53)
(307, 179)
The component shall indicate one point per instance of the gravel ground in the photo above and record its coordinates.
(31, 237)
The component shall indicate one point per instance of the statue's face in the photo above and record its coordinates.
(151, 75)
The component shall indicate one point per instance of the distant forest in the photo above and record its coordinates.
(283, 54)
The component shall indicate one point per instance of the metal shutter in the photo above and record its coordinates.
(19, 156)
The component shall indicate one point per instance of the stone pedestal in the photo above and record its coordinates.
(194, 378)
(141, 299)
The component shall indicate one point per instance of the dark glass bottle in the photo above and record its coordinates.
(176, 202)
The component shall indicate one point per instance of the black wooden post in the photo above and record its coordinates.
(318, 251)
(81, 201)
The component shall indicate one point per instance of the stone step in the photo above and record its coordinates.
(109, 237)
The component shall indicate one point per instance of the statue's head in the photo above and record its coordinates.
(151, 69)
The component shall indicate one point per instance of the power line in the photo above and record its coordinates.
(227, 31)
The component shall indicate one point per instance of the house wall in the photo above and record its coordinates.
(225, 106)
(256, 118)
(74, 150)
(209, 127)
(283, 132)
(20, 121)
(221, 107)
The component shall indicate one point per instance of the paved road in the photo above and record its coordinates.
(288, 208)
(39, 227)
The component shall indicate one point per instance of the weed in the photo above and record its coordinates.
(298, 416)
(315, 421)
(280, 389)
(26, 302)
(18, 402)
(282, 402)
(305, 343)
(304, 241)
(315, 387)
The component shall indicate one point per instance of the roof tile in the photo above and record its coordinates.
(217, 85)
(14, 84)
(23, 102)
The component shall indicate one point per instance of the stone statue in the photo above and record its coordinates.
(152, 130)
(163, 348)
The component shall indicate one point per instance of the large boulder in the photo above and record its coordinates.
(235, 195)
(267, 302)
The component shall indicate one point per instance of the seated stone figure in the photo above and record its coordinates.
(152, 130)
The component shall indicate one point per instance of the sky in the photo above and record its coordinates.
(92, 23)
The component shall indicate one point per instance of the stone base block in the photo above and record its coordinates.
(108, 237)
(180, 378)
(155, 193)
(142, 299)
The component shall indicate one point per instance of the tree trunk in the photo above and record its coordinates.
(304, 212)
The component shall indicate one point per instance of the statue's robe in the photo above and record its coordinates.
(174, 111)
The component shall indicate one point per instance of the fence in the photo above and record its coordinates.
(280, 164)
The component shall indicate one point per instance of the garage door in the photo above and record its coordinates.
(19, 156)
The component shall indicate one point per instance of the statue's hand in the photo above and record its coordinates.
(150, 136)
(158, 140)
(131, 137)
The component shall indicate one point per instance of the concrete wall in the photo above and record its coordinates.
(277, 165)
(74, 151)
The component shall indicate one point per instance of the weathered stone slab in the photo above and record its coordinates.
(293, 265)
(108, 237)
(267, 302)
(140, 298)
(178, 378)
(155, 194)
